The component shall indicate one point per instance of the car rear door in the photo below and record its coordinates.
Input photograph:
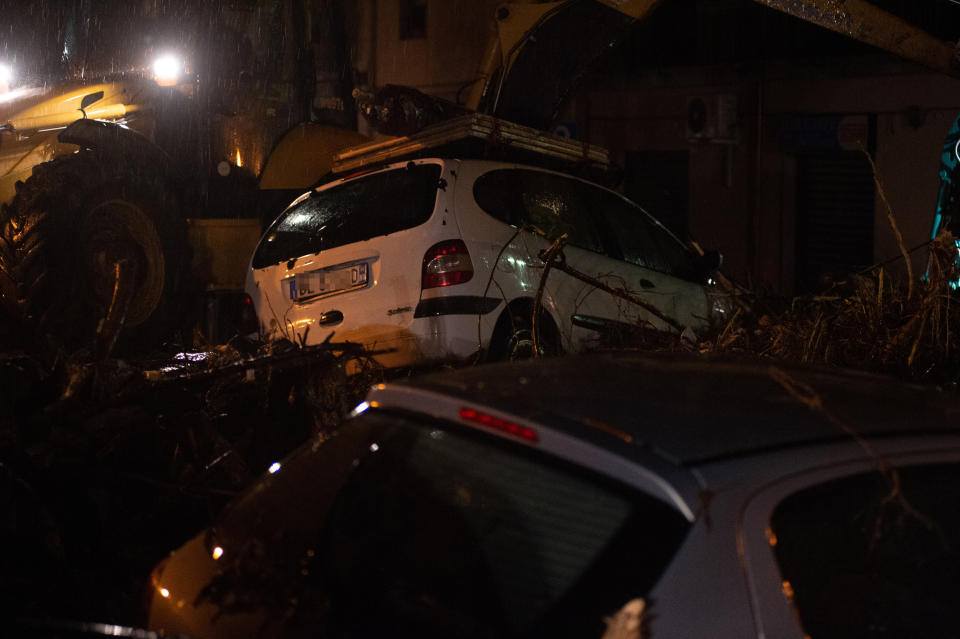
(656, 266)
(546, 206)
(845, 548)
(353, 252)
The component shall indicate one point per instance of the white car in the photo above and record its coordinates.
(438, 259)
(537, 498)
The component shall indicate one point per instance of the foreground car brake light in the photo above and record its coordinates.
(502, 425)
(447, 263)
(248, 321)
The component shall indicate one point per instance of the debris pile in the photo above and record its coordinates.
(107, 465)
(869, 322)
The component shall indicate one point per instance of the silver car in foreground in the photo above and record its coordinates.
(538, 498)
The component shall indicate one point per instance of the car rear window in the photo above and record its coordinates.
(379, 204)
(406, 526)
(874, 555)
(447, 533)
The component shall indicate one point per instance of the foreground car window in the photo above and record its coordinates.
(403, 527)
(445, 533)
(380, 204)
(874, 555)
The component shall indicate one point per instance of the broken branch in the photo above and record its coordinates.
(550, 259)
(893, 222)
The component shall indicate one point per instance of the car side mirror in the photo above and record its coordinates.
(707, 264)
(89, 99)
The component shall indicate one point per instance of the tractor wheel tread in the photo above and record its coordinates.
(42, 294)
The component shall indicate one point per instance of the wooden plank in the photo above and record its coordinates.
(476, 126)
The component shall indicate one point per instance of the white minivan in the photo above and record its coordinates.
(438, 259)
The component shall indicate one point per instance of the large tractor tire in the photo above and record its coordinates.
(91, 244)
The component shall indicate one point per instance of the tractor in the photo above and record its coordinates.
(141, 146)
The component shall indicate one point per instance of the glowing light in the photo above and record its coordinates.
(239, 161)
(296, 219)
(166, 70)
(771, 537)
(787, 590)
(6, 74)
(956, 283)
(16, 94)
(502, 425)
(164, 593)
(192, 357)
(374, 447)
(274, 467)
(360, 409)
(217, 553)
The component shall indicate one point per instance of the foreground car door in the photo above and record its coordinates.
(847, 550)
(405, 526)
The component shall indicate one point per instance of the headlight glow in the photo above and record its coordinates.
(166, 70)
(6, 76)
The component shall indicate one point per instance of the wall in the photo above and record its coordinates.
(444, 61)
(649, 113)
(752, 217)
(742, 196)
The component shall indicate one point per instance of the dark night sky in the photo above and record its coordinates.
(99, 37)
(695, 32)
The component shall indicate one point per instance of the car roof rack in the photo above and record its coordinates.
(478, 136)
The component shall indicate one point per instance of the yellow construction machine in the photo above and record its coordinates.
(132, 202)
(105, 173)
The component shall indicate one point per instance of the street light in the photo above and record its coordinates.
(166, 70)
(6, 77)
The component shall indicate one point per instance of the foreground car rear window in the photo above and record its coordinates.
(451, 532)
(358, 210)
(439, 531)
(874, 555)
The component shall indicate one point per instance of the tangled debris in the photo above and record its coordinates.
(107, 465)
(870, 322)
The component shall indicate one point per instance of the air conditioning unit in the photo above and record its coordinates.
(712, 118)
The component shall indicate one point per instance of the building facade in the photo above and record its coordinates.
(741, 128)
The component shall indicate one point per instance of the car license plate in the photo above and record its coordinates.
(303, 286)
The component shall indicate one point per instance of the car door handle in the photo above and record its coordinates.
(330, 317)
(647, 284)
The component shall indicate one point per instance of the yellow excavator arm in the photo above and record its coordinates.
(868, 23)
(517, 21)
(541, 49)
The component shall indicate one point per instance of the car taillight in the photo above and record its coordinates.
(502, 425)
(248, 322)
(447, 263)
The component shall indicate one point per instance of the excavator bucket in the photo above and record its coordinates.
(569, 38)
(863, 21)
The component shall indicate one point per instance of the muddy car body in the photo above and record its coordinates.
(440, 259)
(738, 501)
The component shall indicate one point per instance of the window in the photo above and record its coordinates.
(552, 204)
(413, 19)
(401, 526)
(865, 560)
(642, 239)
(358, 210)
(448, 534)
(660, 181)
(835, 198)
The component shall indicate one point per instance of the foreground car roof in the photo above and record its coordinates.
(690, 411)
